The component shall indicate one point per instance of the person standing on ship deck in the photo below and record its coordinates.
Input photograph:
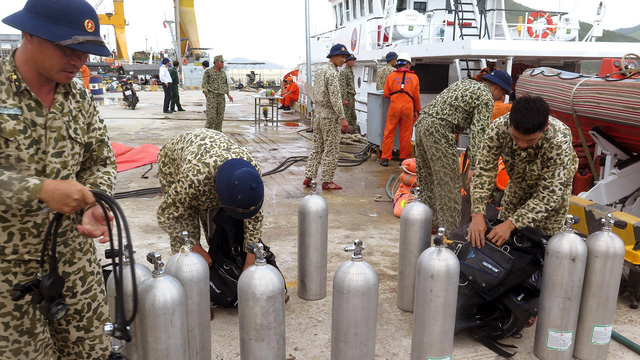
(381, 76)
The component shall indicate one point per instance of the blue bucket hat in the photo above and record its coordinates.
(240, 188)
(70, 23)
(165, 61)
(338, 49)
(501, 78)
(391, 55)
(351, 57)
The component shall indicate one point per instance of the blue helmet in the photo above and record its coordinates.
(338, 49)
(70, 23)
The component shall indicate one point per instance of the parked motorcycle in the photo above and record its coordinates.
(129, 96)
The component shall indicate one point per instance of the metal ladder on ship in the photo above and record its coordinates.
(470, 19)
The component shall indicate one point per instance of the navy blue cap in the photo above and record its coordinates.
(501, 78)
(351, 57)
(165, 61)
(239, 188)
(338, 49)
(70, 23)
(391, 55)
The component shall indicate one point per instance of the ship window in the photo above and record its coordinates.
(359, 82)
(370, 6)
(335, 15)
(340, 15)
(362, 8)
(347, 9)
(402, 5)
(420, 6)
(353, 8)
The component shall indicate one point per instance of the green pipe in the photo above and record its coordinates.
(388, 187)
(626, 342)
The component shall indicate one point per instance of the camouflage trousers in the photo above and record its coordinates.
(438, 171)
(215, 111)
(26, 334)
(325, 150)
(350, 112)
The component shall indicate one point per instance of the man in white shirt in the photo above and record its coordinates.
(165, 79)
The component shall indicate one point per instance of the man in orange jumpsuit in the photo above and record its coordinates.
(290, 94)
(403, 87)
(84, 71)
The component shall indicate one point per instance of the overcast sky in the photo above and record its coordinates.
(275, 30)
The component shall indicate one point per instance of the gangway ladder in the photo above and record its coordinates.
(472, 66)
(468, 19)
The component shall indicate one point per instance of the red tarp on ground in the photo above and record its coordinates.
(128, 158)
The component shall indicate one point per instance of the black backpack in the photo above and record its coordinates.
(499, 287)
(225, 235)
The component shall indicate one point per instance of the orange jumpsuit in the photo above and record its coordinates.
(295, 93)
(401, 111)
(499, 109)
(84, 71)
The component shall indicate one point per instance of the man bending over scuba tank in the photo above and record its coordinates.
(538, 155)
(203, 173)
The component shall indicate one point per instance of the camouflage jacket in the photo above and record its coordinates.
(464, 104)
(214, 82)
(326, 92)
(347, 84)
(540, 177)
(69, 141)
(381, 78)
(187, 172)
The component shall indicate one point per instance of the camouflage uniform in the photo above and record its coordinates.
(540, 177)
(326, 129)
(466, 103)
(187, 172)
(382, 76)
(348, 91)
(215, 85)
(69, 141)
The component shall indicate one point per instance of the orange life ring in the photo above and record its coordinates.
(533, 17)
(185, 61)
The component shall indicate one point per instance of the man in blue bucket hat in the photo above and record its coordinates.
(466, 104)
(328, 121)
(54, 148)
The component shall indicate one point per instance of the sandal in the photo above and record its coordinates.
(331, 186)
(307, 182)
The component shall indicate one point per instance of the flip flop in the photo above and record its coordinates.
(331, 186)
(307, 182)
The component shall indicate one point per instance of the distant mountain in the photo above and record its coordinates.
(632, 31)
(267, 64)
(611, 36)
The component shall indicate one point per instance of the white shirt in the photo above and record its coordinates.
(164, 74)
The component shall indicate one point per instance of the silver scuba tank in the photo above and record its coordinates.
(162, 316)
(142, 274)
(415, 237)
(355, 308)
(605, 260)
(261, 310)
(313, 223)
(560, 291)
(192, 271)
(436, 296)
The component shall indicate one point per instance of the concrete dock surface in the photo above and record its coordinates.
(354, 213)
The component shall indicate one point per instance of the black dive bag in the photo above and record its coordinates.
(499, 286)
(225, 235)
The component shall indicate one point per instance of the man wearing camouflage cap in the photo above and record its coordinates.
(388, 68)
(54, 147)
(214, 87)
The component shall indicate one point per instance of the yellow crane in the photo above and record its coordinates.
(188, 26)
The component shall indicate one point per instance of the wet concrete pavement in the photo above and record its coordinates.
(353, 214)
